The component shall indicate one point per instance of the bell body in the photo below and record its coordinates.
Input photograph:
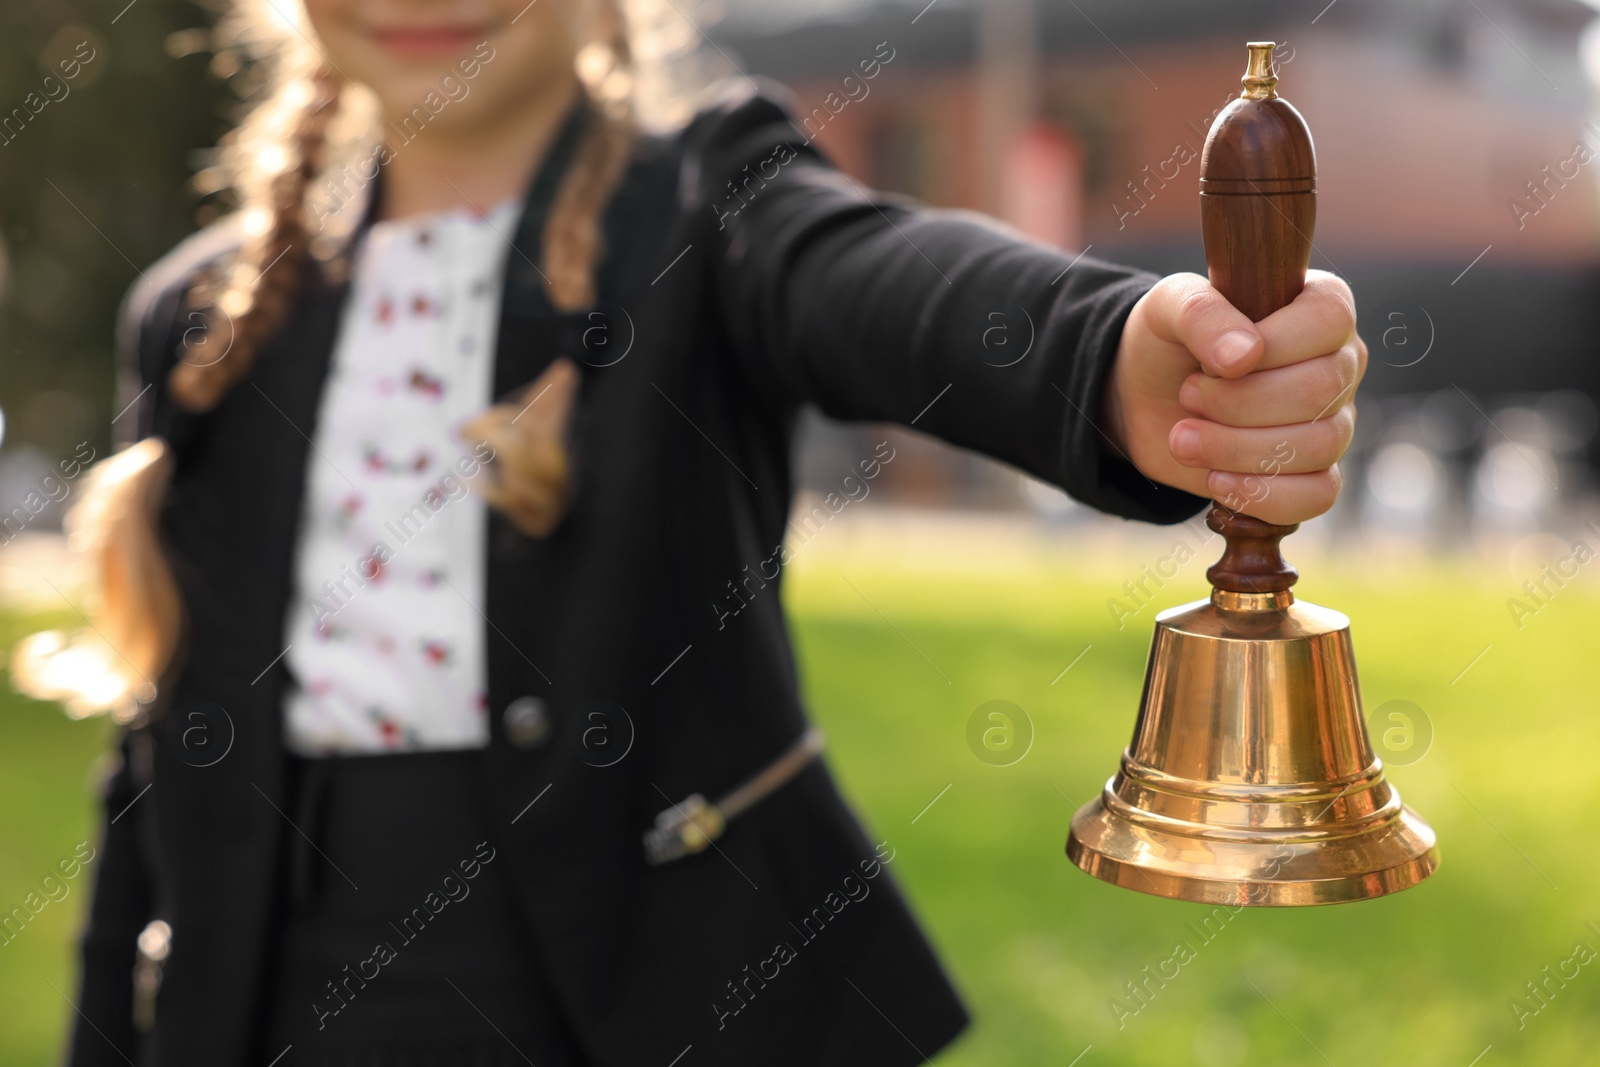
(1250, 779)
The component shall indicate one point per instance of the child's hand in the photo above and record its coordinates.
(1255, 416)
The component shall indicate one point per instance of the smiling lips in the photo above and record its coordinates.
(424, 41)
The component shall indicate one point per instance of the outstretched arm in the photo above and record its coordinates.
(1086, 375)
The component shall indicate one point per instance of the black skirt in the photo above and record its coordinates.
(398, 942)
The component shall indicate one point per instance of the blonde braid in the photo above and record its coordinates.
(262, 281)
(572, 232)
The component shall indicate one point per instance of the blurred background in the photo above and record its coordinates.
(1456, 143)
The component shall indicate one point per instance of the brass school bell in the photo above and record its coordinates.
(1250, 778)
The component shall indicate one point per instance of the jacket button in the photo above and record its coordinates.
(526, 722)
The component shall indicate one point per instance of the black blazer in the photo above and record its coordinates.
(743, 278)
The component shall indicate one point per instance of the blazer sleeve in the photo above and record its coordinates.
(873, 307)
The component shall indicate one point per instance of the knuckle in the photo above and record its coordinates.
(1338, 316)
(1334, 304)
(1333, 285)
(1323, 490)
(1348, 360)
(1360, 348)
(1176, 285)
(1335, 379)
(1332, 437)
(1326, 492)
(1195, 303)
(1344, 423)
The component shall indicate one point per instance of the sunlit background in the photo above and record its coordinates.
(1458, 147)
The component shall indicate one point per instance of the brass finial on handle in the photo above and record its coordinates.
(1261, 76)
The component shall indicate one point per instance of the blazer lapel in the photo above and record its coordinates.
(531, 329)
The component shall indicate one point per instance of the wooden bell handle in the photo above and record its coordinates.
(1258, 209)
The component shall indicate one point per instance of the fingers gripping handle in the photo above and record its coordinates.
(1258, 210)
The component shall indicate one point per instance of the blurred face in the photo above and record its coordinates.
(477, 58)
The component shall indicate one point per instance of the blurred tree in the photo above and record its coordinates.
(96, 166)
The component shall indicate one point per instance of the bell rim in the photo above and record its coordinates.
(1158, 874)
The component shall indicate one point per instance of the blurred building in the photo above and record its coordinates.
(1456, 152)
(1455, 138)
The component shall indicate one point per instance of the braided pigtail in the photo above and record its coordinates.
(572, 238)
(531, 477)
(115, 663)
(254, 295)
(118, 662)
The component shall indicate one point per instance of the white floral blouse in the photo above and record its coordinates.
(385, 635)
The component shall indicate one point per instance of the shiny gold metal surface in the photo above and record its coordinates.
(1260, 79)
(1250, 779)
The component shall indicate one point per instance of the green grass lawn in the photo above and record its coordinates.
(47, 767)
(1421, 978)
(896, 657)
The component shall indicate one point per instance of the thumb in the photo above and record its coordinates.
(1189, 311)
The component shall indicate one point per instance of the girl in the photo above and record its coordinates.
(463, 724)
